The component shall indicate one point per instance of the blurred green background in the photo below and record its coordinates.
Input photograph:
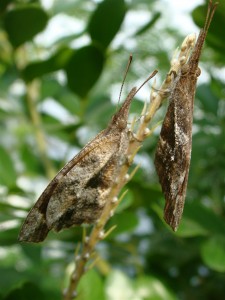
(58, 89)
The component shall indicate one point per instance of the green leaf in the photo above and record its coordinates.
(31, 291)
(152, 288)
(208, 99)
(106, 21)
(125, 222)
(213, 253)
(24, 22)
(54, 63)
(34, 253)
(118, 286)
(126, 202)
(7, 170)
(84, 68)
(30, 159)
(90, 287)
(199, 220)
(9, 280)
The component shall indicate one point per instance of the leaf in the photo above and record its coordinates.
(208, 100)
(152, 288)
(31, 161)
(24, 22)
(33, 253)
(119, 286)
(9, 279)
(84, 68)
(106, 21)
(213, 253)
(9, 236)
(8, 173)
(54, 63)
(90, 287)
(199, 220)
(31, 291)
(126, 202)
(125, 222)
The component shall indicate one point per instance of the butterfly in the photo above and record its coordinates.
(173, 153)
(78, 193)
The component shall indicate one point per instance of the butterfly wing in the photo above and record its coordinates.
(73, 185)
(80, 196)
(173, 154)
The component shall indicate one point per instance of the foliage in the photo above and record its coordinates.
(53, 98)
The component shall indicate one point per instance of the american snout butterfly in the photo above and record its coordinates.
(79, 191)
(173, 154)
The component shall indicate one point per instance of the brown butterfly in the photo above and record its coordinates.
(173, 154)
(79, 191)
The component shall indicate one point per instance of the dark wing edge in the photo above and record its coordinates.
(34, 228)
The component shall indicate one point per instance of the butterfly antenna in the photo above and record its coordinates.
(149, 77)
(210, 12)
(125, 75)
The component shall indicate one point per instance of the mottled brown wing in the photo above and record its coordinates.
(35, 228)
(80, 196)
(173, 154)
